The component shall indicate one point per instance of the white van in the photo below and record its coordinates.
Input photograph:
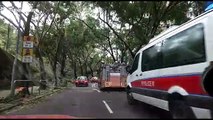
(174, 71)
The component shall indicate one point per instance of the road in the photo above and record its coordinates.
(89, 102)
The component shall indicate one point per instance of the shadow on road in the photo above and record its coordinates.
(113, 90)
(150, 110)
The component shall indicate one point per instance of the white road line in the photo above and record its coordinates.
(107, 106)
(97, 90)
(94, 85)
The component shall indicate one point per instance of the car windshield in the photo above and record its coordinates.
(94, 78)
(82, 78)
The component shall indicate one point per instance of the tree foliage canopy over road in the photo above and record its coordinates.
(74, 37)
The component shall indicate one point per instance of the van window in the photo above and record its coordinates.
(186, 47)
(135, 63)
(152, 58)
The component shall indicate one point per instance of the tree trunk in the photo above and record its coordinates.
(110, 46)
(63, 66)
(56, 61)
(122, 56)
(42, 69)
(26, 33)
(55, 67)
(74, 69)
(91, 71)
(81, 66)
(63, 61)
(8, 38)
(85, 69)
(54, 72)
(82, 70)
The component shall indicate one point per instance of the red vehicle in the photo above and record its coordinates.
(81, 81)
(113, 76)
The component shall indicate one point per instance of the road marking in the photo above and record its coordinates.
(94, 84)
(107, 106)
(97, 90)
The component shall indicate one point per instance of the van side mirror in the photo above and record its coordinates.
(128, 69)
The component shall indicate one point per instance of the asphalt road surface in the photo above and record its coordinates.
(89, 102)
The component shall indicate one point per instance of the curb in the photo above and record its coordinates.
(26, 102)
(10, 107)
(38, 97)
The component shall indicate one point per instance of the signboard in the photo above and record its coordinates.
(27, 59)
(28, 41)
(29, 38)
(27, 44)
(27, 52)
(27, 55)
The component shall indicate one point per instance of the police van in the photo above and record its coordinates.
(174, 71)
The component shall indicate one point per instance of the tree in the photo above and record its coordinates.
(144, 19)
(56, 35)
(24, 32)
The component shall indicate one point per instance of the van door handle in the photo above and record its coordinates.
(141, 74)
(136, 74)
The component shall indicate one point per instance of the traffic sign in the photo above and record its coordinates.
(27, 44)
(29, 38)
(28, 41)
(27, 52)
(27, 59)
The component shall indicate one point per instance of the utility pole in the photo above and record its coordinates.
(12, 93)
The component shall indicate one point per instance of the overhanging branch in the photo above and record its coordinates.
(18, 28)
(22, 18)
(132, 54)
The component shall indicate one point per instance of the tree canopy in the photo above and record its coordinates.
(75, 36)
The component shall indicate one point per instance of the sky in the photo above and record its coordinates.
(26, 8)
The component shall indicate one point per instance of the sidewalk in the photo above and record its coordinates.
(4, 93)
(30, 99)
(36, 94)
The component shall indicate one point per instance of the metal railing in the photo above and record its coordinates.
(32, 82)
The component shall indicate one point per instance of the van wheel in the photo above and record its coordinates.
(180, 110)
(130, 99)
